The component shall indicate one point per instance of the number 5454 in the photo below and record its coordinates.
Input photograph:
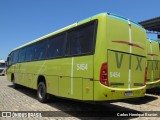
(115, 74)
(82, 66)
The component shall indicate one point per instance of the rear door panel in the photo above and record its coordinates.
(125, 70)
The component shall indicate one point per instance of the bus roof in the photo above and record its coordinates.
(78, 23)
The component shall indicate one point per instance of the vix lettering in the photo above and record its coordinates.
(152, 63)
(120, 57)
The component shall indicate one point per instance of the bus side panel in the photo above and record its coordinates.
(77, 88)
(22, 73)
(74, 83)
(12, 70)
(87, 89)
(62, 69)
(16, 73)
(38, 69)
(83, 68)
(65, 87)
(9, 72)
(70, 74)
(70, 87)
(52, 84)
(30, 75)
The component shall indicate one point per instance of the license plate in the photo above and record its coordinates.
(128, 93)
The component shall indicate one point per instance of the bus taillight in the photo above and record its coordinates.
(104, 74)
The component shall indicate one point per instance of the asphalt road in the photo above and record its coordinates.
(22, 104)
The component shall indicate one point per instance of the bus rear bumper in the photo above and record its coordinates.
(150, 85)
(108, 93)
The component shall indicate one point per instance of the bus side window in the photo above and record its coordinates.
(40, 50)
(80, 40)
(56, 46)
(22, 55)
(30, 53)
(15, 56)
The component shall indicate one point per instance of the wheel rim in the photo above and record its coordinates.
(41, 92)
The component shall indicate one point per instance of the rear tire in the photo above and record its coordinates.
(42, 92)
(15, 86)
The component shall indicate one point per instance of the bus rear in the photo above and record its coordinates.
(120, 59)
(153, 63)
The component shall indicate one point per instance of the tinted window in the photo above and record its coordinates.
(22, 53)
(15, 56)
(30, 53)
(81, 40)
(56, 46)
(40, 50)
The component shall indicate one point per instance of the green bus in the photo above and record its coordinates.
(98, 59)
(153, 64)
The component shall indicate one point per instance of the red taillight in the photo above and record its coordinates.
(145, 76)
(104, 74)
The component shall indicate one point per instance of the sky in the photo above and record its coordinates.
(22, 21)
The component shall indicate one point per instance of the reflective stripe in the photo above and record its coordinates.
(128, 43)
(130, 40)
(130, 35)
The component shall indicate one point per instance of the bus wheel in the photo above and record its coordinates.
(41, 92)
